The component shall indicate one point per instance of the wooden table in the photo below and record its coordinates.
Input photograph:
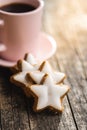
(71, 58)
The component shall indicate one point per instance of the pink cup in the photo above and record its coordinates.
(19, 32)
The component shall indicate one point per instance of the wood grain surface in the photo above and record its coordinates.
(71, 58)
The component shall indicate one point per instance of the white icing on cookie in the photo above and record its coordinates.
(20, 77)
(57, 76)
(36, 76)
(31, 59)
(25, 66)
(49, 94)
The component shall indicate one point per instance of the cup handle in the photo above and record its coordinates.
(2, 46)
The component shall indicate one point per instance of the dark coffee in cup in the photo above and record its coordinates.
(17, 8)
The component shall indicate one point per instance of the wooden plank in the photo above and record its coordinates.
(13, 106)
(81, 51)
(19, 109)
(78, 101)
(5, 102)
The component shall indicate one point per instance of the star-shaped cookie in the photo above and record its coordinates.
(23, 67)
(28, 58)
(48, 94)
(20, 76)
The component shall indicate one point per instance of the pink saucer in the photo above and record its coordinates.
(47, 49)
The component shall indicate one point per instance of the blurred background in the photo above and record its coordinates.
(67, 18)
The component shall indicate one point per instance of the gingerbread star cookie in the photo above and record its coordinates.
(48, 94)
(20, 76)
(28, 58)
(58, 77)
(24, 66)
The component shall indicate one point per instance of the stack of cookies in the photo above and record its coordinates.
(40, 81)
